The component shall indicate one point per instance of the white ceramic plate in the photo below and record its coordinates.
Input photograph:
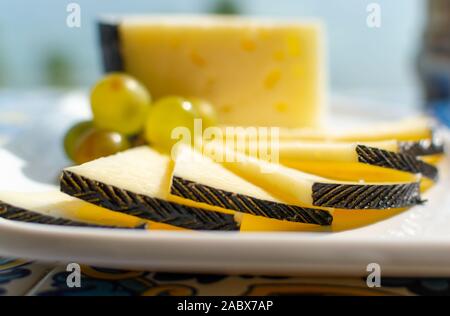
(413, 243)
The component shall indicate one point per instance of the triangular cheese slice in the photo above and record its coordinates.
(200, 179)
(308, 190)
(56, 208)
(136, 182)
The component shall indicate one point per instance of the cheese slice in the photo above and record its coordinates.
(309, 190)
(198, 178)
(350, 155)
(414, 136)
(136, 182)
(255, 72)
(410, 129)
(303, 154)
(427, 149)
(57, 208)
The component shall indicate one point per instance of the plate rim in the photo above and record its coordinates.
(180, 251)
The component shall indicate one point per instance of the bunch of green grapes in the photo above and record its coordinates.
(124, 117)
(119, 106)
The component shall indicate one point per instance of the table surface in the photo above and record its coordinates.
(21, 277)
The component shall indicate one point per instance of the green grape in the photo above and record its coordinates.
(206, 112)
(73, 135)
(120, 103)
(165, 115)
(99, 143)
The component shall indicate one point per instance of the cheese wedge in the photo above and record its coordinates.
(425, 148)
(414, 136)
(136, 182)
(411, 129)
(300, 188)
(57, 208)
(198, 178)
(355, 154)
(255, 72)
(302, 154)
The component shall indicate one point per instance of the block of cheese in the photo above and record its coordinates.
(256, 72)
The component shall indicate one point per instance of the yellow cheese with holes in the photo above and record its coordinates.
(256, 72)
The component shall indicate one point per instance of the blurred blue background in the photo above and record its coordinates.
(38, 49)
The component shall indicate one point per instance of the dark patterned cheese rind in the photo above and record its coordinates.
(360, 196)
(398, 161)
(110, 45)
(246, 204)
(14, 213)
(158, 210)
(421, 148)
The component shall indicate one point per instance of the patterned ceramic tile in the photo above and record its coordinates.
(111, 282)
(17, 277)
